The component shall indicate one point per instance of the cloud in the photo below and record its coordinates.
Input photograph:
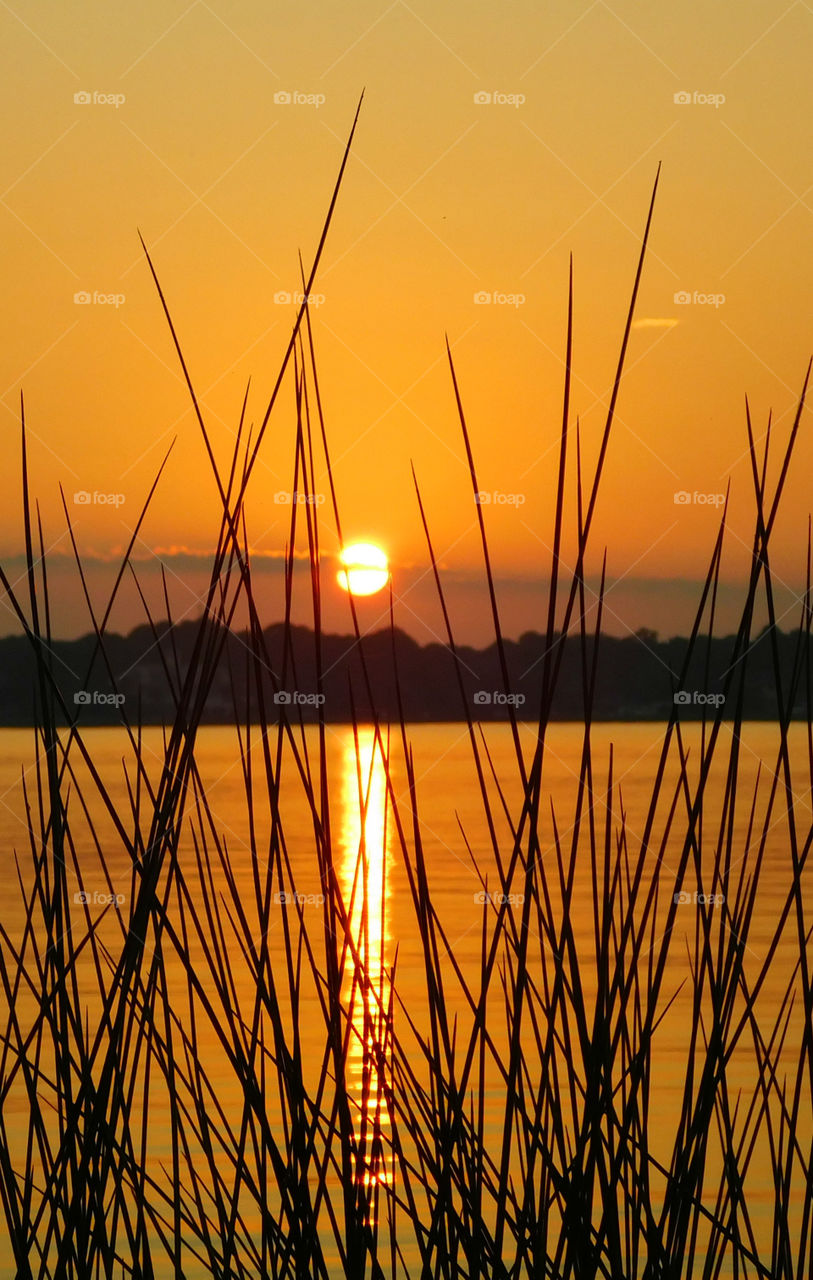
(176, 557)
(655, 322)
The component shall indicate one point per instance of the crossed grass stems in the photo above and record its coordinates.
(500, 1125)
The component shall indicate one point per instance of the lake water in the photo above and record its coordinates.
(372, 872)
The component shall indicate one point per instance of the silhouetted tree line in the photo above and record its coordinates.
(637, 677)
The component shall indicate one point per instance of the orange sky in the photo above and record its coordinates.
(445, 198)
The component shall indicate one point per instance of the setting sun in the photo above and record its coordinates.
(364, 569)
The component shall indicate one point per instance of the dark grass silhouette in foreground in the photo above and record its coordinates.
(274, 1164)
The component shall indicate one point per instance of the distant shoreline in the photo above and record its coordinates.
(638, 678)
(113, 725)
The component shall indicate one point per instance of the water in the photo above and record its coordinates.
(369, 825)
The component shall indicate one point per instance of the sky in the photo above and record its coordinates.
(493, 142)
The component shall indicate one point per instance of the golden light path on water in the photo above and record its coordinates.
(365, 882)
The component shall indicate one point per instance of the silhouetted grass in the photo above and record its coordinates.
(163, 1110)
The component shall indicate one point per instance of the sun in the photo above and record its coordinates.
(364, 569)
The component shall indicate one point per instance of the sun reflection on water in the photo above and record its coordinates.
(365, 884)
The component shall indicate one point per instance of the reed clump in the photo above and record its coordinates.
(164, 1111)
